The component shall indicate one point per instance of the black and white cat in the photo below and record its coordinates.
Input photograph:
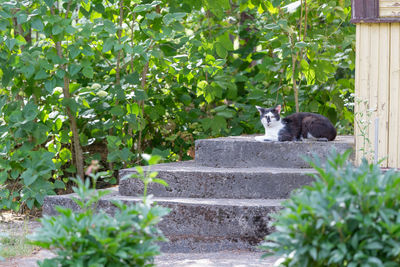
(295, 127)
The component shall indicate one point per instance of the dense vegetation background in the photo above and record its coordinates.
(108, 80)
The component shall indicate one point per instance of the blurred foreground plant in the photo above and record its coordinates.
(350, 216)
(94, 238)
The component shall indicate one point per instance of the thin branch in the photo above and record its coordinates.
(301, 18)
(68, 7)
(305, 19)
(295, 89)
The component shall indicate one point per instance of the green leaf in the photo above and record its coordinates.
(146, 7)
(221, 51)
(154, 159)
(88, 72)
(304, 64)
(28, 71)
(49, 3)
(49, 85)
(218, 123)
(74, 51)
(30, 111)
(10, 43)
(117, 111)
(39, 198)
(108, 45)
(40, 75)
(60, 73)
(140, 95)
(225, 41)
(29, 177)
(7, 76)
(73, 69)
(70, 30)
(160, 181)
(109, 26)
(374, 246)
(71, 103)
(37, 24)
(3, 177)
(313, 253)
(57, 29)
(65, 154)
(133, 78)
(170, 17)
(228, 114)
(301, 44)
(87, 50)
(21, 17)
(30, 203)
(125, 154)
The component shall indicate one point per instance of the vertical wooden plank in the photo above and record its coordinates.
(357, 93)
(394, 95)
(373, 70)
(396, 69)
(362, 95)
(383, 96)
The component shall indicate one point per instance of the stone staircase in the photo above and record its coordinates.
(224, 199)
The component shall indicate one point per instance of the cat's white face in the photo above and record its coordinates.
(270, 120)
(270, 117)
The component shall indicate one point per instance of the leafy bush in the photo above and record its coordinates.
(97, 239)
(350, 216)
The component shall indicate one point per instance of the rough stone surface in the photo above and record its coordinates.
(211, 259)
(198, 225)
(187, 179)
(245, 151)
(215, 259)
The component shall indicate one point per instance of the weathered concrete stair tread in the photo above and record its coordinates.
(198, 224)
(245, 151)
(192, 166)
(187, 179)
(115, 196)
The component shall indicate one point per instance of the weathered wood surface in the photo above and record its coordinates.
(394, 118)
(377, 85)
(389, 8)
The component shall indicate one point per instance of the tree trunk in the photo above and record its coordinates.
(74, 127)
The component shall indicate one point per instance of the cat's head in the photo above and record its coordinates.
(270, 116)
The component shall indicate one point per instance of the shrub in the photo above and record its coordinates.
(97, 239)
(350, 216)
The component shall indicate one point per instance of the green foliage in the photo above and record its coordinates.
(146, 175)
(348, 217)
(111, 80)
(87, 238)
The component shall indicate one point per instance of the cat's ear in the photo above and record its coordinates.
(278, 108)
(260, 109)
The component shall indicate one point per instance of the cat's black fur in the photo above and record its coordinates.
(300, 125)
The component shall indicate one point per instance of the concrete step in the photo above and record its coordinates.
(188, 179)
(198, 225)
(245, 151)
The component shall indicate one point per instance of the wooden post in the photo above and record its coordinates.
(377, 81)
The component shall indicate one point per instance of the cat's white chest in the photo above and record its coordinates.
(271, 132)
